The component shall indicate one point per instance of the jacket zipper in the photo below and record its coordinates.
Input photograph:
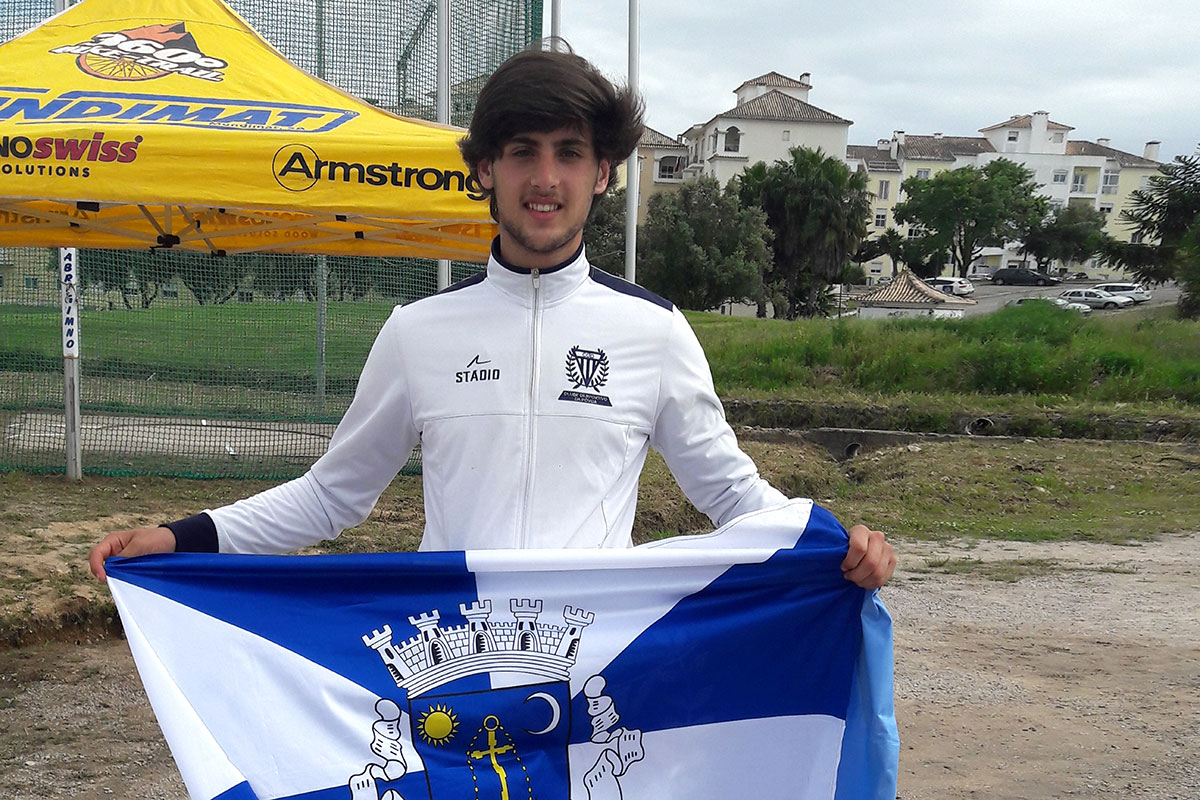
(534, 364)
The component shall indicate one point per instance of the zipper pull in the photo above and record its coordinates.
(536, 279)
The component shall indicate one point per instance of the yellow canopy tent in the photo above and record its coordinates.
(135, 123)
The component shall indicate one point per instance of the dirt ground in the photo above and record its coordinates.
(1081, 679)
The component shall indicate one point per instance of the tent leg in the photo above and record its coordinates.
(322, 313)
(71, 406)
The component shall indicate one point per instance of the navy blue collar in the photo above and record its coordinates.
(513, 268)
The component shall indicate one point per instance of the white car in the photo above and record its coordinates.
(960, 286)
(1096, 298)
(1134, 291)
(1058, 301)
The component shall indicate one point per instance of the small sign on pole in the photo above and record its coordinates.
(68, 271)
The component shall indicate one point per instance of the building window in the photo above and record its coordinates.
(1057, 138)
(916, 232)
(881, 218)
(787, 135)
(876, 267)
(714, 141)
(1012, 136)
(923, 174)
(1109, 185)
(1106, 208)
(733, 140)
(31, 282)
(1079, 182)
(885, 190)
(669, 167)
(1060, 176)
(170, 291)
(1137, 238)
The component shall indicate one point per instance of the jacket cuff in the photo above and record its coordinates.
(196, 534)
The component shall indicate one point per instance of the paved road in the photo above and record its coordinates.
(992, 298)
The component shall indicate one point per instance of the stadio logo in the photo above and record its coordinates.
(57, 149)
(145, 53)
(477, 371)
(297, 168)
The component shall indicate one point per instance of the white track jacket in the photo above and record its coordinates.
(535, 396)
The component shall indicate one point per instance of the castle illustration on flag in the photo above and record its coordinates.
(481, 742)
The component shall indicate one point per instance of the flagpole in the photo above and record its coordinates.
(443, 101)
(631, 163)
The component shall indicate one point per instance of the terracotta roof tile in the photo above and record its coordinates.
(944, 148)
(1026, 121)
(775, 79)
(776, 105)
(652, 138)
(877, 160)
(1120, 156)
(908, 289)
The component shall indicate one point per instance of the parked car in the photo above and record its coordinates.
(1058, 301)
(1017, 276)
(1134, 291)
(1096, 298)
(960, 286)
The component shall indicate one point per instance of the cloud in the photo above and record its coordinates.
(1109, 68)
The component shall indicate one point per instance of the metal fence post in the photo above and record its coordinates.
(68, 273)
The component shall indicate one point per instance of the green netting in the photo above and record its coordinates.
(235, 367)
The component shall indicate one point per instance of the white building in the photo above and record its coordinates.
(772, 116)
(1069, 172)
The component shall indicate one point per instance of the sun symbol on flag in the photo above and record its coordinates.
(438, 724)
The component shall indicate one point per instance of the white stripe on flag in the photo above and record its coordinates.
(312, 724)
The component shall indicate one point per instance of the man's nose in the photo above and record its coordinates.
(545, 172)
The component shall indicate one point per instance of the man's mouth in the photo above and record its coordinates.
(543, 207)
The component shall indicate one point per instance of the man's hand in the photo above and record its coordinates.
(870, 561)
(137, 542)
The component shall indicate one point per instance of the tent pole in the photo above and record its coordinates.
(631, 164)
(68, 273)
(322, 314)
(443, 102)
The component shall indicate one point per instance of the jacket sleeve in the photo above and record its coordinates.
(367, 450)
(695, 440)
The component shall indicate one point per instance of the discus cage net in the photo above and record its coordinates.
(241, 366)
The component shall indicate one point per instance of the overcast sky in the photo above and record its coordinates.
(1119, 69)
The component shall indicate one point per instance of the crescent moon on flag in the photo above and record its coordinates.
(555, 712)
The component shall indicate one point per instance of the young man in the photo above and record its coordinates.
(536, 387)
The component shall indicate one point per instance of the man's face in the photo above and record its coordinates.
(544, 184)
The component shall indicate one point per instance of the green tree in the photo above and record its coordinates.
(1075, 233)
(971, 208)
(604, 235)
(817, 207)
(700, 247)
(1165, 218)
(108, 269)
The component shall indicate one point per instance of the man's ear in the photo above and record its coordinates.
(602, 176)
(484, 169)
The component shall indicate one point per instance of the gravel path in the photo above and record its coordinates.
(1082, 680)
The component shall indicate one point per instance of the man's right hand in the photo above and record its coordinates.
(137, 542)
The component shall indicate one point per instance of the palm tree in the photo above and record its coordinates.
(818, 208)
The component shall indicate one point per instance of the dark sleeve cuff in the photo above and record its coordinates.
(196, 534)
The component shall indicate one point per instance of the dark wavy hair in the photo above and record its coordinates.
(540, 90)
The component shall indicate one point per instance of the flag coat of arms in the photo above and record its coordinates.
(736, 664)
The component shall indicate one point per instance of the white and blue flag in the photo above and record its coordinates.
(736, 664)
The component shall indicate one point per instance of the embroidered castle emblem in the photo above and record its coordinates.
(477, 735)
(586, 369)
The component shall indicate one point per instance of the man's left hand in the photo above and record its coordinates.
(870, 561)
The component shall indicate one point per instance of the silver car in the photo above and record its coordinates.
(1096, 298)
(1134, 291)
